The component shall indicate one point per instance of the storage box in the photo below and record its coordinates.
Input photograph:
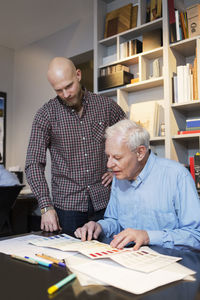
(193, 16)
(152, 39)
(114, 80)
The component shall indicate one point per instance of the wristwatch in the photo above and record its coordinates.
(45, 209)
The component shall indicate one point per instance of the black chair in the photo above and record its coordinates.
(8, 196)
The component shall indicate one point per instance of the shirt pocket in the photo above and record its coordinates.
(98, 131)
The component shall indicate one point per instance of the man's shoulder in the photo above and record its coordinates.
(171, 165)
(98, 98)
(48, 107)
(105, 103)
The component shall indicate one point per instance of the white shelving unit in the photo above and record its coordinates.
(107, 53)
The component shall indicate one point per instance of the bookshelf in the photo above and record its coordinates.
(149, 88)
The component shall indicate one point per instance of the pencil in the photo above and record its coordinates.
(54, 260)
(25, 259)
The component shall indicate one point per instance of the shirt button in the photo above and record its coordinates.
(87, 171)
(81, 122)
(85, 154)
(88, 186)
(83, 138)
(72, 110)
(100, 123)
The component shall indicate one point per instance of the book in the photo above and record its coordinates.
(135, 47)
(134, 80)
(146, 115)
(193, 16)
(152, 39)
(175, 88)
(112, 28)
(134, 16)
(197, 171)
(172, 21)
(148, 9)
(188, 131)
(156, 68)
(121, 20)
(193, 122)
(195, 80)
(180, 80)
(155, 9)
(192, 128)
(183, 25)
(178, 26)
(191, 161)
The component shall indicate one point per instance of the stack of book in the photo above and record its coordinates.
(185, 85)
(150, 115)
(114, 76)
(130, 48)
(192, 126)
(183, 24)
(153, 10)
(113, 69)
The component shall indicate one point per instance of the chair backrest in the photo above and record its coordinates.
(8, 196)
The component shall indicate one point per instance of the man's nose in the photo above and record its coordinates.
(65, 93)
(110, 163)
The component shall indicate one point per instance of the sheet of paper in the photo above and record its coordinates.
(64, 242)
(126, 279)
(144, 260)
(141, 260)
(20, 246)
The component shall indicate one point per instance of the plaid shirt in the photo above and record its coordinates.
(76, 146)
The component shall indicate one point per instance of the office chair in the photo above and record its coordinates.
(8, 196)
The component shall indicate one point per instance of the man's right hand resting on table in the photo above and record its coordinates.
(92, 230)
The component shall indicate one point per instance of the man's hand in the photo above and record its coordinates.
(49, 221)
(88, 231)
(107, 178)
(139, 237)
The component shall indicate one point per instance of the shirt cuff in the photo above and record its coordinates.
(104, 226)
(155, 237)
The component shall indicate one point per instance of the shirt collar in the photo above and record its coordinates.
(146, 170)
(84, 100)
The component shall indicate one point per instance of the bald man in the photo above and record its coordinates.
(72, 127)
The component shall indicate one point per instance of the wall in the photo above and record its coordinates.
(31, 88)
(6, 85)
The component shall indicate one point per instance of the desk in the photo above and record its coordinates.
(22, 281)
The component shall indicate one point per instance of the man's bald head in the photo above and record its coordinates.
(59, 68)
(65, 80)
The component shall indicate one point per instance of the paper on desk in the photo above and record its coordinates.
(20, 246)
(141, 260)
(84, 280)
(126, 279)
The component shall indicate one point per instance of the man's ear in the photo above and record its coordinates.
(141, 151)
(78, 74)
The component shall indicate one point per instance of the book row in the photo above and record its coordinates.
(185, 85)
(126, 17)
(183, 24)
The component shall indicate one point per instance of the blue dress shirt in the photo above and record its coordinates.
(162, 200)
(7, 178)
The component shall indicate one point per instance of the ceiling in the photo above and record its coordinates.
(25, 21)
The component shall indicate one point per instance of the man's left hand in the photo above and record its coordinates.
(107, 178)
(139, 237)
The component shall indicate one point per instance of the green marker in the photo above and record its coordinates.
(58, 285)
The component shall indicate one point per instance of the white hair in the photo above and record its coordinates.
(133, 134)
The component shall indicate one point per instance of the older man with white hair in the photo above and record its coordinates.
(153, 200)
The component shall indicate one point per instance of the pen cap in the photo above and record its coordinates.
(52, 289)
